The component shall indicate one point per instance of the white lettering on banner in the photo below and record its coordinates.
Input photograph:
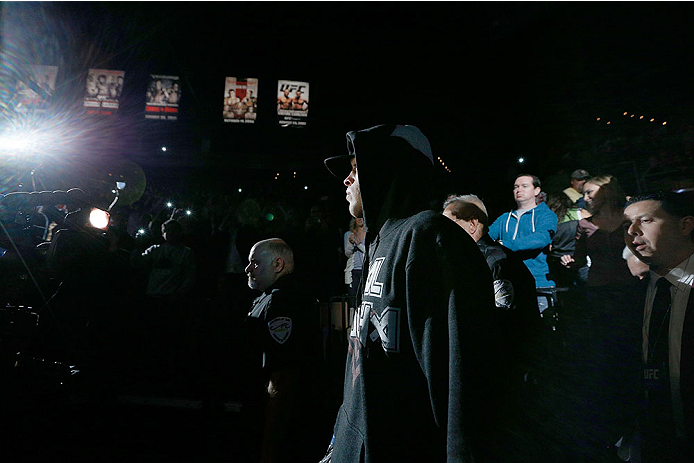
(289, 112)
(373, 287)
(293, 87)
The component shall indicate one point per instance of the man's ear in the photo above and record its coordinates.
(687, 225)
(278, 264)
(474, 225)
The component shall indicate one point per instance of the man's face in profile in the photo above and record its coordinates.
(260, 269)
(353, 192)
(651, 233)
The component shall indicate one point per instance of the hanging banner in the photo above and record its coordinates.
(163, 96)
(292, 103)
(104, 89)
(35, 92)
(240, 100)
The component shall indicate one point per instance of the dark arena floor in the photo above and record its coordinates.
(76, 418)
(118, 403)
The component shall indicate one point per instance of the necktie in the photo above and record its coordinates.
(658, 327)
(657, 372)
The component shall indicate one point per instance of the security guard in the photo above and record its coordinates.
(283, 327)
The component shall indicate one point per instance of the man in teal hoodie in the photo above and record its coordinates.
(528, 230)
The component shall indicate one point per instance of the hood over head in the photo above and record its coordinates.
(395, 164)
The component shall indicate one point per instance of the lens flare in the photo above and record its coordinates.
(98, 218)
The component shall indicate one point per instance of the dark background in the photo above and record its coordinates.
(487, 82)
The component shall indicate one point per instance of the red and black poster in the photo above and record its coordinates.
(163, 97)
(104, 89)
(240, 100)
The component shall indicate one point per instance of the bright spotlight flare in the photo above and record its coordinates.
(98, 218)
(15, 141)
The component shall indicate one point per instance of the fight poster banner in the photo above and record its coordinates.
(104, 89)
(34, 92)
(240, 100)
(292, 103)
(163, 97)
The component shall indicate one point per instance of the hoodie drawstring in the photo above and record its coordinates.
(532, 219)
(512, 214)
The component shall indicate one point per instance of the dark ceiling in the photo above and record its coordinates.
(487, 81)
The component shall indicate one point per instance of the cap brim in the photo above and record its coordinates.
(339, 166)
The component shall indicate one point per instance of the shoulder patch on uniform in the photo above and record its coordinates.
(280, 329)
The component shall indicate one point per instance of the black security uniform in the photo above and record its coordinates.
(283, 332)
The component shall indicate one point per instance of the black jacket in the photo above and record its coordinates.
(515, 297)
(418, 381)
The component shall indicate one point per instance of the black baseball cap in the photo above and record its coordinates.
(580, 174)
(339, 166)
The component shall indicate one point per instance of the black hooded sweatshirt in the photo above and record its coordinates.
(423, 341)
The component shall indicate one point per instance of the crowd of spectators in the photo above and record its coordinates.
(220, 227)
(177, 287)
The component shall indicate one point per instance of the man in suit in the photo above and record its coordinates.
(659, 231)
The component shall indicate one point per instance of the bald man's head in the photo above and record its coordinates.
(268, 261)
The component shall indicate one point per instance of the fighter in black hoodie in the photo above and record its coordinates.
(423, 348)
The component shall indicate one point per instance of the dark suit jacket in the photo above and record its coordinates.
(687, 367)
(686, 359)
